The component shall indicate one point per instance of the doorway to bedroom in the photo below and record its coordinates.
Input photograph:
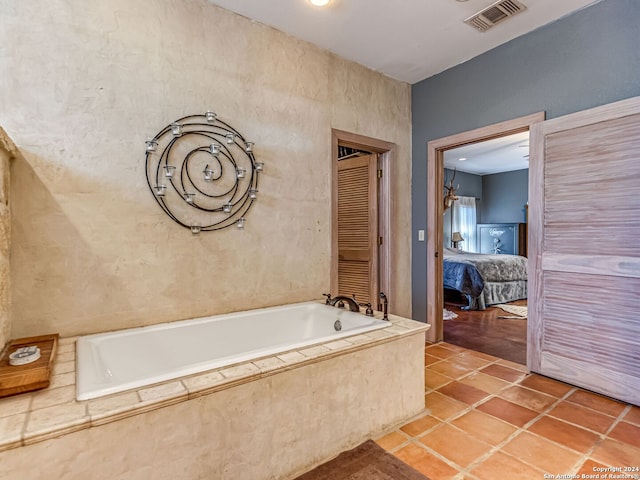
(498, 200)
(485, 217)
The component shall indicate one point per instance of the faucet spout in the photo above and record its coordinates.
(340, 300)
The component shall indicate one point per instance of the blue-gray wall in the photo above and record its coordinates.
(470, 184)
(501, 197)
(504, 196)
(581, 61)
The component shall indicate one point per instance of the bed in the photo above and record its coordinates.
(485, 279)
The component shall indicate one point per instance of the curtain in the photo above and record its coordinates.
(464, 221)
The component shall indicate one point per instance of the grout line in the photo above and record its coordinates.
(617, 420)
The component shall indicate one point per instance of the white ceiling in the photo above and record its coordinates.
(408, 40)
(503, 154)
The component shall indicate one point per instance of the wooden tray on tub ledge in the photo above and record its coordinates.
(36, 375)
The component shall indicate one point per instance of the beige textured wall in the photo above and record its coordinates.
(89, 81)
(7, 152)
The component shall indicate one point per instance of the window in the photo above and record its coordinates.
(464, 221)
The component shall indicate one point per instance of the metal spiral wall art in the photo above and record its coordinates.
(202, 173)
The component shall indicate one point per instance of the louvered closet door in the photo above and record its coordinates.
(584, 304)
(357, 228)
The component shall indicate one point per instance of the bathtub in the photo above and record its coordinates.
(112, 362)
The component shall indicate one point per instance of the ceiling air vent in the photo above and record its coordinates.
(494, 14)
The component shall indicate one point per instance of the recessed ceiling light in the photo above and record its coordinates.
(319, 3)
(462, 159)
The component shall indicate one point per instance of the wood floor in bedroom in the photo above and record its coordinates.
(484, 332)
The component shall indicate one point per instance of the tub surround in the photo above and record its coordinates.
(343, 391)
(7, 152)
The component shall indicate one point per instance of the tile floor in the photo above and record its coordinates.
(490, 420)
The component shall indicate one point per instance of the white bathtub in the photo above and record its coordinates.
(112, 362)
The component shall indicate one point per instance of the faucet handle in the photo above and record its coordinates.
(328, 295)
(369, 311)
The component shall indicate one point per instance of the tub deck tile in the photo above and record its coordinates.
(269, 364)
(66, 341)
(292, 358)
(68, 356)
(203, 384)
(163, 392)
(315, 351)
(63, 367)
(113, 407)
(54, 421)
(66, 348)
(359, 339)
(338, 345)
(397, 329)
(11, 431)
(15, 405)
(63, 379)
(240, 371)
(53, 396)
(378, 334)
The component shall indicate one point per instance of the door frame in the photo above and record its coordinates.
(435, 210)
(386, 152)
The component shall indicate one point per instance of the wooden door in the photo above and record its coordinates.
(357, 208)
(584, 291)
